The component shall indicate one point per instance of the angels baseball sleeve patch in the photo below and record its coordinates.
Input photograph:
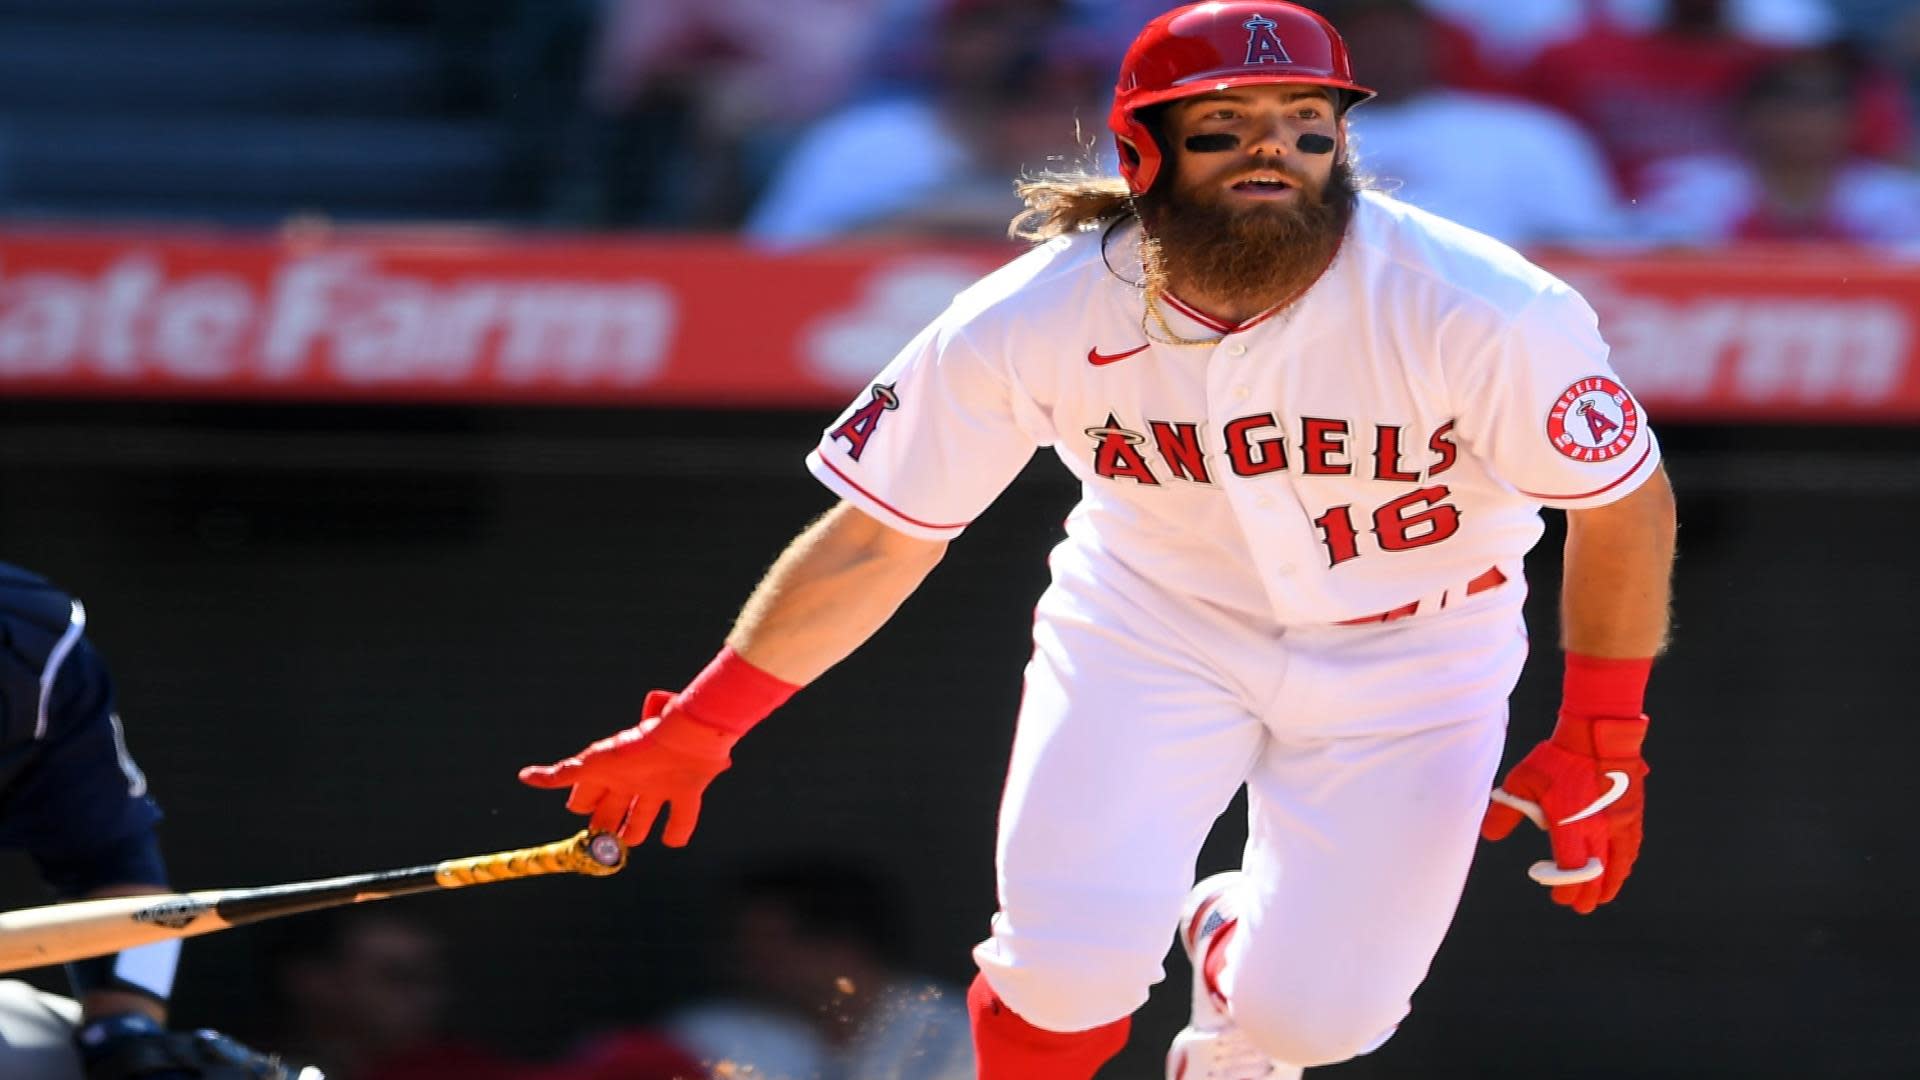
(1593, 420)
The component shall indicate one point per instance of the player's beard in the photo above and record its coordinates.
(1253, 255)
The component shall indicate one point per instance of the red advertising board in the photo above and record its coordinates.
(1760, 334)
(486, 316)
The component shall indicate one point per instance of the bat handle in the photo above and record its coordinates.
(595, 854)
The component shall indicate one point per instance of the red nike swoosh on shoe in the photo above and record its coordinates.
(1100, 359)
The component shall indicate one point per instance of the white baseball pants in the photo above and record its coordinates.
(1368, 753)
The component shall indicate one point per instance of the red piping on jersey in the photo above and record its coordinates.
(1197, 315)
(1215, 323)
(1601, 490)
(884, 504)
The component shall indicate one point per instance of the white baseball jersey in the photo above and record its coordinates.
(1384, 438)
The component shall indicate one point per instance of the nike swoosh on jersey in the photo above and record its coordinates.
(1100, 359)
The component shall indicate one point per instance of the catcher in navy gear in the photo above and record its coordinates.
(72, 798)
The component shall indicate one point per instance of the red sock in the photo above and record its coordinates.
(1008, 1048)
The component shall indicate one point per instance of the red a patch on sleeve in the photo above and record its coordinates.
(860, 426)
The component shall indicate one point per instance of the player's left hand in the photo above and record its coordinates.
(135, 1047)
(1586, 787)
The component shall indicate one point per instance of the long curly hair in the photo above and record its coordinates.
(1059, 203)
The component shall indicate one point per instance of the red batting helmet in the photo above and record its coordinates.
(1201, 48)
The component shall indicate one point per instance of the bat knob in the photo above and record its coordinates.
(606, 850)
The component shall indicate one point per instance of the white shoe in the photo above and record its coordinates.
(1208, 911)
(1211, 1047)
(1222, 1055)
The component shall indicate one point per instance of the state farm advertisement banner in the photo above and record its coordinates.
(1773, 334)
(451, 317)
(503, 317)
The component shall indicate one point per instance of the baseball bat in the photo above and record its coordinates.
(57, 933)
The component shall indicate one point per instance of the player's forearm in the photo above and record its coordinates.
(831, 590)
(113, 1002)
(1618, 572)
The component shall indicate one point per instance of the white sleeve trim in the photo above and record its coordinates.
(844, 486)
(1615, 490)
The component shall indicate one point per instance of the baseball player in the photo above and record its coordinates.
(72, 798)
(1314, 429)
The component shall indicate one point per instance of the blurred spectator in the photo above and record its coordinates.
(1896, 42)
(1668, 90)
(1793, 176)
(821, 996)
(1866, 19)
(1511, 33)
(749, 63)
(364, 993)
(903, 52)
(466, 34)
(626, 1055)
(1011, 94)
(687, 104)
(1514, 170)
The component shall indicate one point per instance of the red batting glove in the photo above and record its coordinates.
(682, 742)
(622, 780)
(1585, 786)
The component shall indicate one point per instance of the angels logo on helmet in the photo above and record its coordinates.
(1263, 45)
(1201, 48)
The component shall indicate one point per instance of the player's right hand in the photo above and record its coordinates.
(668, 759)
(131, 1046)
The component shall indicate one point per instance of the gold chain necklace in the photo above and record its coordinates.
(1152, 284)
(1168, 336)
(1152, 287)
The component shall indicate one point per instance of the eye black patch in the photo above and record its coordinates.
(1212, 144)
(1312, 143)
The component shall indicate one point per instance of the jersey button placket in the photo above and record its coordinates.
(1232, 388)
(1255, 500)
